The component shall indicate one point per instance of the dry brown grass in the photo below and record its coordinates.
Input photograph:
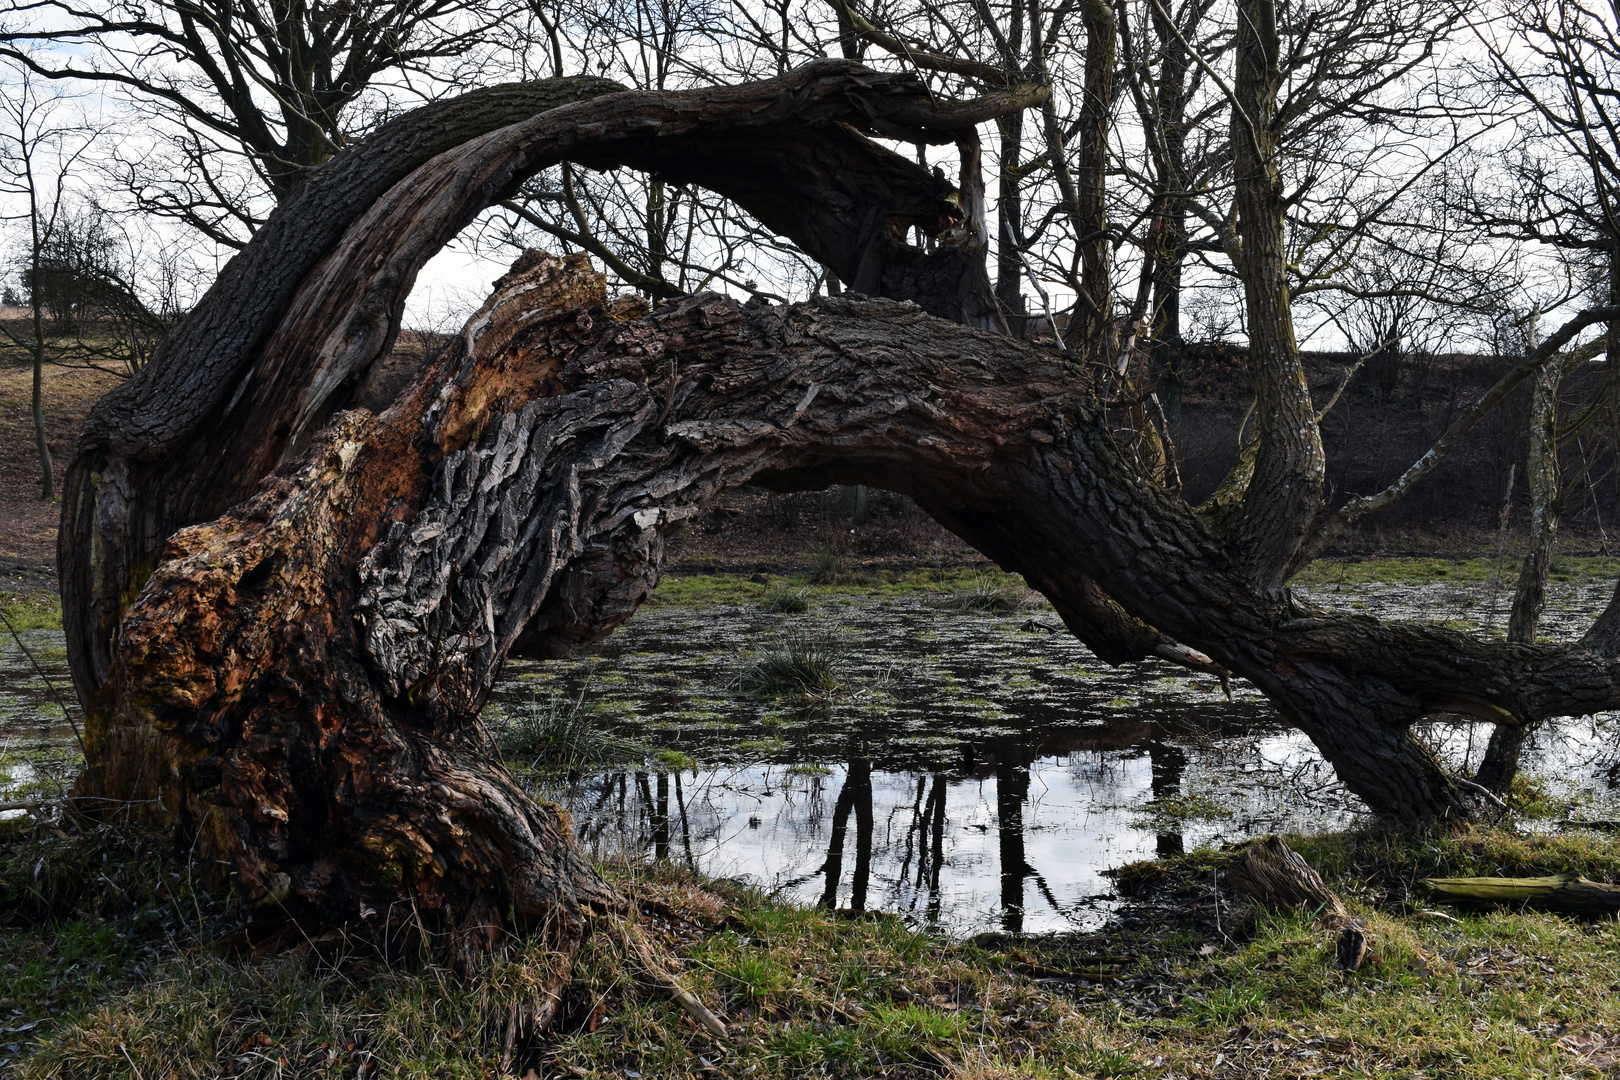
(28, 523)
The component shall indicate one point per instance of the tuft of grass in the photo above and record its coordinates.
(754, 977)
(786, 600)
(992, 592)
(555, 736)
(803, 664)
(832, 566)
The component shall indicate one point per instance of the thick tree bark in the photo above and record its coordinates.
(317, 657)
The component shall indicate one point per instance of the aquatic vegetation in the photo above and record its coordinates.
(804, 664)
(786, 600)
(554, 735)
(994, 592)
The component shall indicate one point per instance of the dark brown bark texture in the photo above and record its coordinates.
(294, 324)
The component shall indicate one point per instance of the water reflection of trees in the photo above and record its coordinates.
(656, 820)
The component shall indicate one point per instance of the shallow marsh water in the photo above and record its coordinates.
(974, 771)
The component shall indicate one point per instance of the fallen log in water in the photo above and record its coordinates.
(1570, 894)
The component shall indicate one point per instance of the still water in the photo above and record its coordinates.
(971, 771)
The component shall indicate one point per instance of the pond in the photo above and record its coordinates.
(970, 770)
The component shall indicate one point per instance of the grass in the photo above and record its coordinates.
(786, 600)
(832, 566)
(705, 590)
(555, 735)
(1162, 992)
(33, 611)
(806, 665)
(991, 592)
(1420, 570)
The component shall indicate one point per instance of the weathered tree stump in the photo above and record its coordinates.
(1270, 874)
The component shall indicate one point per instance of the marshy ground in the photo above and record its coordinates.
(887, 823)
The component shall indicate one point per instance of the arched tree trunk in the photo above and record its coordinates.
(297, 678)
(316, 658)
(294, 324)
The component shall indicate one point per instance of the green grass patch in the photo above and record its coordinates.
(38, 611)
(810, 992)
(705, 590)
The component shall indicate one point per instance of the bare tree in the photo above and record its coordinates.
(41, 142)
(250, 96)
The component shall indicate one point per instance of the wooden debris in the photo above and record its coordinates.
(1352, 947)
(1570, 894)
(1272, 875)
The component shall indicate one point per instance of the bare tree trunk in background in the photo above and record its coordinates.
(1009, 197)
(1171, 254)
(47, 482)
(1500, 764)
(1094, 330)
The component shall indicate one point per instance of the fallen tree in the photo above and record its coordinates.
(284, 618)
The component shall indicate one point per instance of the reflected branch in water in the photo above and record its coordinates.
(861, 773)
(834, 866)
(660, 820)
(686, 830)
(936, 806)
(911, 837)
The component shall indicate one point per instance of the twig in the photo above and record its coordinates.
(637, 940)
(1482, 790)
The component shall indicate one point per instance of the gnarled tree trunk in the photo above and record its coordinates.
(289, 332)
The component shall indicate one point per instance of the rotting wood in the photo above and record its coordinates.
(1270, 874)
(1570, 894)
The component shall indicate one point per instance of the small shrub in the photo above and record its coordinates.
(991, 593)
(800, 665)
(786, 600)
